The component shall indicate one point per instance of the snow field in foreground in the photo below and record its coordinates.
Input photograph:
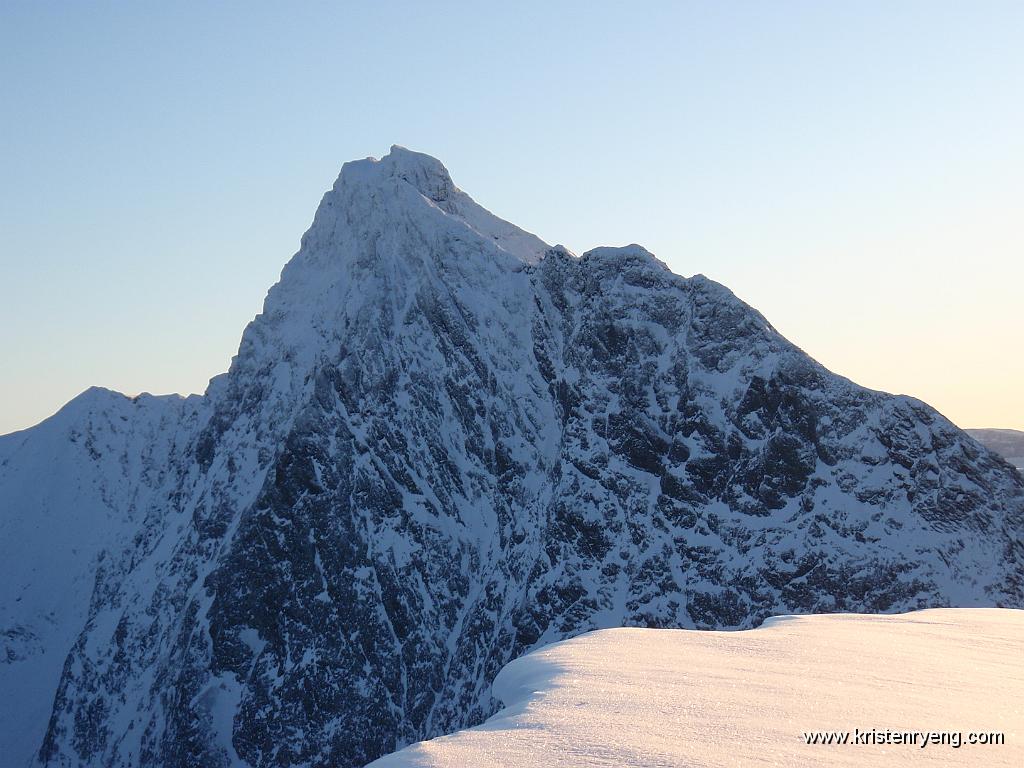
(646, 697)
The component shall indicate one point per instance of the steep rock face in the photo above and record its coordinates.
(444, 443)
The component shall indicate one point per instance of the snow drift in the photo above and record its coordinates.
(910, 689)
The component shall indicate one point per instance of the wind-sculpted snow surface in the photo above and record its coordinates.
(941, 687)
(444, 443)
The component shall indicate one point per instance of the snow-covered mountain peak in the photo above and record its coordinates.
(442, 444)
(414, 185)
(424, 173)
(92, 399)
(104, 405)
(621, 252)
(625, 254)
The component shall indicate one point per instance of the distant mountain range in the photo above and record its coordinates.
(444, 443)
(1008, 443)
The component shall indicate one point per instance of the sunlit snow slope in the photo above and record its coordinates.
(650, 697)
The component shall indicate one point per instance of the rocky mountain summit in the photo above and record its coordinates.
(444, 443)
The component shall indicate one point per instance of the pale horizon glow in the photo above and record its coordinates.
(853, 171)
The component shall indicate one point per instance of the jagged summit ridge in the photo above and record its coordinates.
(442, 444)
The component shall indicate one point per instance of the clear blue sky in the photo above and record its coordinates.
(854, 170)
